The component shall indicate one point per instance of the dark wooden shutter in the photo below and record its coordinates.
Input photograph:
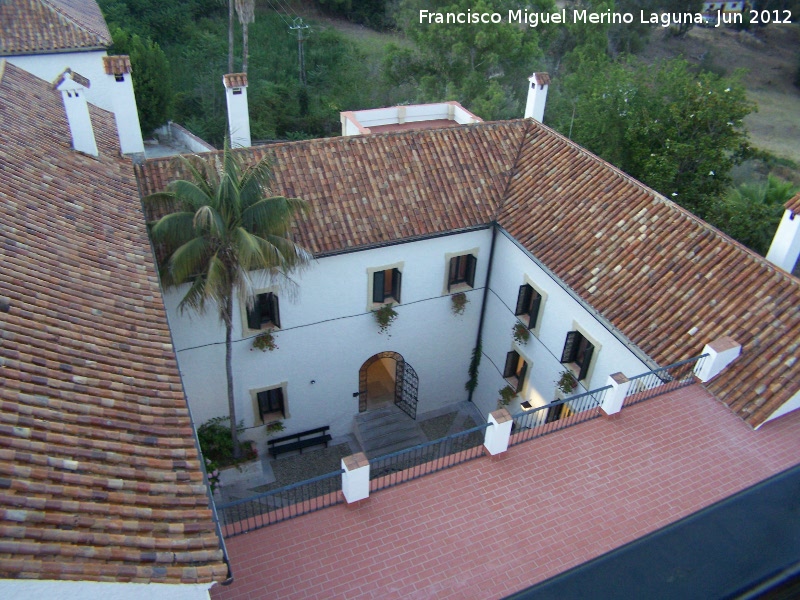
(378, 278)
(453, 272)
(471, 263)
(274, 309)
(570, 347)
(523, 299)
(510, 370)
(587, 358)
(254, 314)
(522, 373)
(534, 313)
(396, 278)
(263, 403)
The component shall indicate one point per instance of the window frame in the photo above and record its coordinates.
(453, 268)
(578, 352)
(379, 293)
(515, 370)
(276, 415)
(528, 309)
(273, 320)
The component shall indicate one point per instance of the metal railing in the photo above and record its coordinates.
(557, 415)
(281, 504)
(663, 380)
(424, 459)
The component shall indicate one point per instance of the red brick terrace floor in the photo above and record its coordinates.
(496, 525)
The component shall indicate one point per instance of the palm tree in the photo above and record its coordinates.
(246, 10)
(221, 229)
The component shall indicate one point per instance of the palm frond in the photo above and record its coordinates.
(189, 260)
(174, 229)
(273, 215)
(189, 194)
(218, 284)
(195, 298)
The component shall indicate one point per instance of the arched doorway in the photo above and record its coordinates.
(386, 378)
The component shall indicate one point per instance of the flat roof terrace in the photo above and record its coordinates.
(496, 525)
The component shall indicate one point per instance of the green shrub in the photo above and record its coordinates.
(216, 443)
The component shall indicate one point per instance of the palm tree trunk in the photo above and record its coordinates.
(245, 48)
(229, 374)
(230, 36)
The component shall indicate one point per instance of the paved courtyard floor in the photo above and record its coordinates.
(495, 525)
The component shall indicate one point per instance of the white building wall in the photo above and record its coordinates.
(88, 64)
(559, 314)
(328, 332)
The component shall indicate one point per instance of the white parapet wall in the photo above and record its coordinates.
(361, 122)
(69, 590)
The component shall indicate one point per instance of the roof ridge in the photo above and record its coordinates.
(2, 69)
(514, 168)
(62, 13)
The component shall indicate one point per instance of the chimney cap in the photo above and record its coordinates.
(70, 75)
(540, 78)
(116, 65)
(793, 204)
(232, 80)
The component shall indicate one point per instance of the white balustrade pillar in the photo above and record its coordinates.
(355, 479)
(613, 399)
(721, 352)
(497, 435)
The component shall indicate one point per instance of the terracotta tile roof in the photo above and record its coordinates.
(794, 204)
(70, 74)
(665, 279)
(40, 26)
(115, 65)
(368, 190)
(232, 80)
(542, 78)
(99, 475)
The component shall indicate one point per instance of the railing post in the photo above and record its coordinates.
(612, 401)
(355, 479)
(496, 437)
(721, 352)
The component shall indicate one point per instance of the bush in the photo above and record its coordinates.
(216, 443)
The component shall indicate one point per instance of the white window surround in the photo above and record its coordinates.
(400, 266)
(272, 417)
(574, 367)
(246, 331)
(459, 287)
(524, 318)
(520, 386)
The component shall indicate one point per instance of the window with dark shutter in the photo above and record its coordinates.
(462, 270)
(386, 285)
(521, 372)
(523, 299)
(515, 369)
(264, 312)
(270, 402)
(510, 369)
(533, 311)
(578, 350)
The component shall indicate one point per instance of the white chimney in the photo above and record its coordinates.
(785, 247)
(118, 70)
(537, 96)
(238, 116)
(73, 91)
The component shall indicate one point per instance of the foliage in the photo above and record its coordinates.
(751, 213)
(566, 382)
(216, 444)
(483, 66)
(222, 229)
(459, 303)
(521, 333)
(246, 9)
(152, 77)
(264, 342)
(166, 22)
(212, 471)
(376, 14)
(275, 427)
(384, 316)
(507, 394)
(474, 364)
(676, 131)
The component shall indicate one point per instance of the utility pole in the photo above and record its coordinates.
(300, 27)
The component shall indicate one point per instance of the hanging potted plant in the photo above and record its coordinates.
(507, 394)
(566, 383)
(458, 303)
(521, 333)
(384, 316)
(265, 342)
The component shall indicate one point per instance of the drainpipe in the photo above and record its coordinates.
(485, 293)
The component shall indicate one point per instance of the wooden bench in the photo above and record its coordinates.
(298, 441)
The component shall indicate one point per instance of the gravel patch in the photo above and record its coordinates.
(292, 469)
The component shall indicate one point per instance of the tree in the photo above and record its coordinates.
(220, 230)
(676, 131)
(751, 212)
(246, 11)
(151, 77)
